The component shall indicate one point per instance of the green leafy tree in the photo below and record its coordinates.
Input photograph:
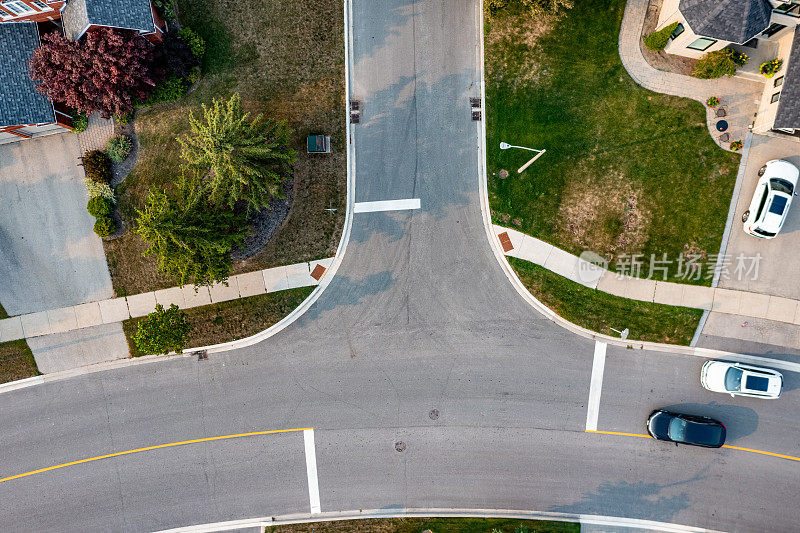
(163, 331)
(236, 158)
(192, 243)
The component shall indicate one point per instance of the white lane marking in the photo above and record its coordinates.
(386, 205)
(311, 470)
(596, 387)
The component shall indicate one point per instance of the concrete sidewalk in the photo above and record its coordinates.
(719, 300)
(116, 310)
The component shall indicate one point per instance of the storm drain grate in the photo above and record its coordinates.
(475, 102)
(202, 355)
(476, 115)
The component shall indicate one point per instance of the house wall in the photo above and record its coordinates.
(39, 14)
(767, 110)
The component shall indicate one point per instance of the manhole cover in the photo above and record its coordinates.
(400, 446)
(434, 414)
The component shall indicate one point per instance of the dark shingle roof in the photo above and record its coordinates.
(788, 115)
(736, 21)
(128, 14)
(21, 103)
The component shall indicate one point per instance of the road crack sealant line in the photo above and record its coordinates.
(587, 519)
(285, 321)
(706, 353)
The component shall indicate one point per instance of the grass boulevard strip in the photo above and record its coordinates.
(739, 448)
(151, 448)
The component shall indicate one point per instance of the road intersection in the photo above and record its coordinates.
(429, 381)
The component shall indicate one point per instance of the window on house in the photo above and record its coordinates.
(789, 8)
(41, 5)
(778, 82)
(775, 97)
(678, 31)
(773, 29)
(18, 8)
(703, 43)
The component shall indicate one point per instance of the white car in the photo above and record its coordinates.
(738, 379)
(772, 199)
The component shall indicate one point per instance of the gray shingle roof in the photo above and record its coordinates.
(21, 103)
(128, 14)
(736, 21)
(788, 115)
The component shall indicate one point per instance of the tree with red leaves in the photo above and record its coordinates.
(107, 71)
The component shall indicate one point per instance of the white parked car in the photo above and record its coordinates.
(772, 199)
(738, 379)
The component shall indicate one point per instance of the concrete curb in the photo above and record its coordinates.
(275, 328)
(583, 519)
(549, 313)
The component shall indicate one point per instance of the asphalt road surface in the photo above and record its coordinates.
(419, 317)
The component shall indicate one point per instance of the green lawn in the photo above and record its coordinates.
(626, 171)
(228, 321)
(436, 525)
(286, 59)
(598, 311)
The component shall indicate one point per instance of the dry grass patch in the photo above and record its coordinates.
(16, 361)
(229, 321)
(436, 525)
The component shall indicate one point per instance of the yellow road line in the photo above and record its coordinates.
(739, 448)
(618, 433)
(150, 448)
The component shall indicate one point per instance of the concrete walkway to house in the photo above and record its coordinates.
(739, 96)
(726, 301)
(115, 310)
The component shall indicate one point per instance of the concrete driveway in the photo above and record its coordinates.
(778, 270)
(776, 273)
(49, 255)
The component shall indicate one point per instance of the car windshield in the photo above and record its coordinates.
(764, 233)
(733, 379)
(778, 205)
(778, 184)
(757, 383)
(677, 429)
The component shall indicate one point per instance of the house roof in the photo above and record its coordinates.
(21, 102)
(127, 14)
(788, 115)
(736, 21)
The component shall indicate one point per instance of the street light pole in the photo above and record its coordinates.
(539, 153)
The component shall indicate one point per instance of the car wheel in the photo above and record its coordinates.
(745, 215)
(762, 170)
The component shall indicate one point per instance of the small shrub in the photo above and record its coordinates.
(163, 331)
(118, 148)
(715, 65)
(105, 226)
(740, 59)
(713, 101)
(196, 43)
(769, 68)
(97, 166)
(194, 75)
(99, 190)
(166, 8)
(736, 145)
(79, 122)
(167, 91)
(177, 56)
(100, 207)
(124, 118)
(659, 39)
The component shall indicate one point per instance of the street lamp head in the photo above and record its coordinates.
(505, 146)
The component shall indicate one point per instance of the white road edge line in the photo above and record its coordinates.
(386, 205)
(311, 471)
(613, 521)
(596, 386)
